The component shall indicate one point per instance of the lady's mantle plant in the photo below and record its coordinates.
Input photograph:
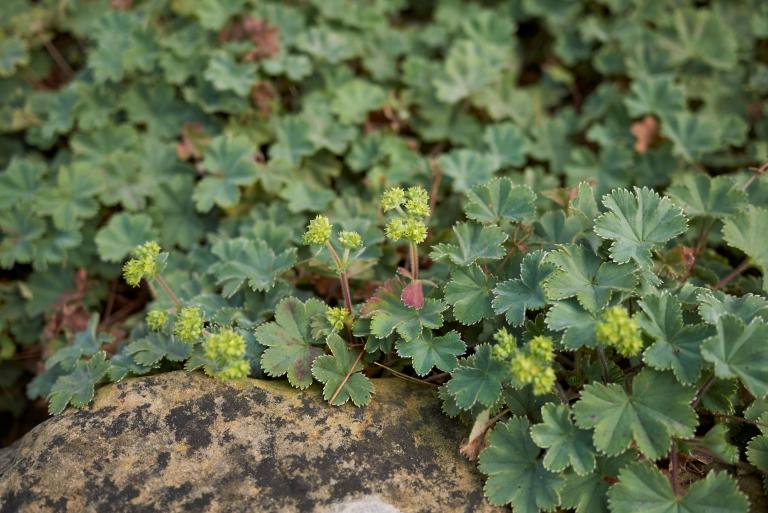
(591, 369)
(604, 344)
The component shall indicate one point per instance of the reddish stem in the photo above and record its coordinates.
(346, 378)
(736, 272)
(414, 261)
(674, 463)
(345, 291)
(168, 291)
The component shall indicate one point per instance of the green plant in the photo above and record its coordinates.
(479, 181)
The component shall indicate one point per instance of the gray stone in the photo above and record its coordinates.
(184, 442)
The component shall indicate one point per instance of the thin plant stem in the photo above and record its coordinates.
(603, 364)
(168, 291)
(345, 292)
(675, 470)
(700, 393)
(561, 393)
(335, 255)
(437, 377)
(414, 261)
(343, 278)
(404, 376)
(741, 419)
(346, 378)
(59, 59)
(703, 235)
(746, 264)
(756, 173)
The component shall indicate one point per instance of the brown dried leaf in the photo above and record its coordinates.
(193, 142)
(264, 96)
(645, 132)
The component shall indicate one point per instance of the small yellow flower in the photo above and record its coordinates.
(156, 319)
(238, 369)
(189, 324)
(524, 368)
(392, 198)
(133, 272)
(417, 203)
(620, 331)
(414, 230)
(395, 229)
(318, 231)
(225, 345)
(143, 264)
(227, 349)
(350, 240)
(544, 381)
(506, 345)
(337, 317)
(542, 348)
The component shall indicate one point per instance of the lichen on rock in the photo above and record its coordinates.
(184, 442)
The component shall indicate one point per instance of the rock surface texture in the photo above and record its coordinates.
(184, 442)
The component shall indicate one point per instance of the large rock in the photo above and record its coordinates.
(184, 442)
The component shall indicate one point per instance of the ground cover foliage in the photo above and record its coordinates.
(551, 211)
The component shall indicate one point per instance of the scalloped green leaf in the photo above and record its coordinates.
(566, 445)
(152, 349)
(469, 292)
(467, 168)
(580, 273)
(516, 296)
(738, 350)
(745, 232)
(637, 222)
(477, 379)
(427, 351)
(332, 369)
(290, 347)
(122, 234)
(78, 387)
(657, 409)
(643, 487)
(577, 323)
(229, 161)
(516, 476)
(703, 196)
(249, 261)
(388, 313)
(473, 243)
(677, 347)
(500, 199)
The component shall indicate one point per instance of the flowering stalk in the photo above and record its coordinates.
(147, 262)
(319, 233)
(411, 207)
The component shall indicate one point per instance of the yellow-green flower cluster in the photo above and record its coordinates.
(392, 198)
(156, 319)
(409, 224)
(528, 370)
(189, 324)
(542, 348)
(238, 369)
(337, 317)
(319, 231)
(619, 330)
(506, 345)
(143, 264)
(417, 203)
(350, 240)
(530, 365)
(227, 349)
(409, 228)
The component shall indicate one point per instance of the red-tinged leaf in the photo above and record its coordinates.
(413, 294)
